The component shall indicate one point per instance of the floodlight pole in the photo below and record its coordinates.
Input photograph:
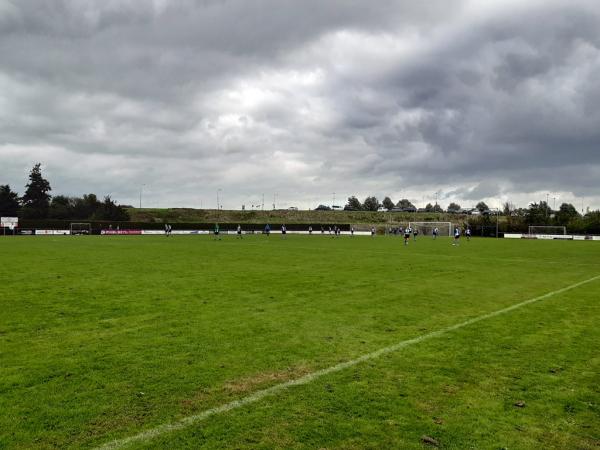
(141, 190)
(218, 203)
(497, 215)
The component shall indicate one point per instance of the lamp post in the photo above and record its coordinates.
(497, 214)
(218, 203)
(141, 190)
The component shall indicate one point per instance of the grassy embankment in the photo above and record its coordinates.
(358, 218)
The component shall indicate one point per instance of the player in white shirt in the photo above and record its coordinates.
(372, 231)
(239, 232)
(407, 232)
(456, 236)
(283, 231)
(435, 233)
(468, 234)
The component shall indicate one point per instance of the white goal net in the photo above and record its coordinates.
(545, 229)
(426, 228)
(81, 228)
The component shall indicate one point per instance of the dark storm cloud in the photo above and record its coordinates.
(497, 98)
(302, 98)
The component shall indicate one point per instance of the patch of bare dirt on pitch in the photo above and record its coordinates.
(206, 398)
(263, 379)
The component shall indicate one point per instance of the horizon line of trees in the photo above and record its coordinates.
(37, 203)
(536, 214)
(371, 203)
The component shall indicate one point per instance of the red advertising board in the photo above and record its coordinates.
(114, 232)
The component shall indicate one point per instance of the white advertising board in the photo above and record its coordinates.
(52, 232)
(9, 222)
(190, 232)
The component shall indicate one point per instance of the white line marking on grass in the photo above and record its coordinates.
(259, 395)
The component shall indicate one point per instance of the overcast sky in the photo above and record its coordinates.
(298, 99)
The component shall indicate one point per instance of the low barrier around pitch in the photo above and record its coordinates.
(46, 232)
(558, 237)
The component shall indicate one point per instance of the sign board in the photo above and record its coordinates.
(51, 232)
(120, 232)
(9, 222)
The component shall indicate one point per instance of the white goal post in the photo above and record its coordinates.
(80, 228)
(426, 228)
(546, 229)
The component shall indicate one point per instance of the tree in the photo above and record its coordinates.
(353, 204)
(537, 214)
(453, 207)
(9, 202)
(520, 212)
(323, 208)
(566, 213)
(85, 207)
(508, 208)
(371, 204)
(437, 208)
(405, 203)
(428, 207)
(481, 206)
(37, 198)
(387, 203)
(591, 222)
(61, 207)
(109, 210)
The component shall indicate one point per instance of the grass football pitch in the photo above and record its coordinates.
(155, 342)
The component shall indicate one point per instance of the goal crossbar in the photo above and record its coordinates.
(80, 228)
(547, 229)
(426, 228)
